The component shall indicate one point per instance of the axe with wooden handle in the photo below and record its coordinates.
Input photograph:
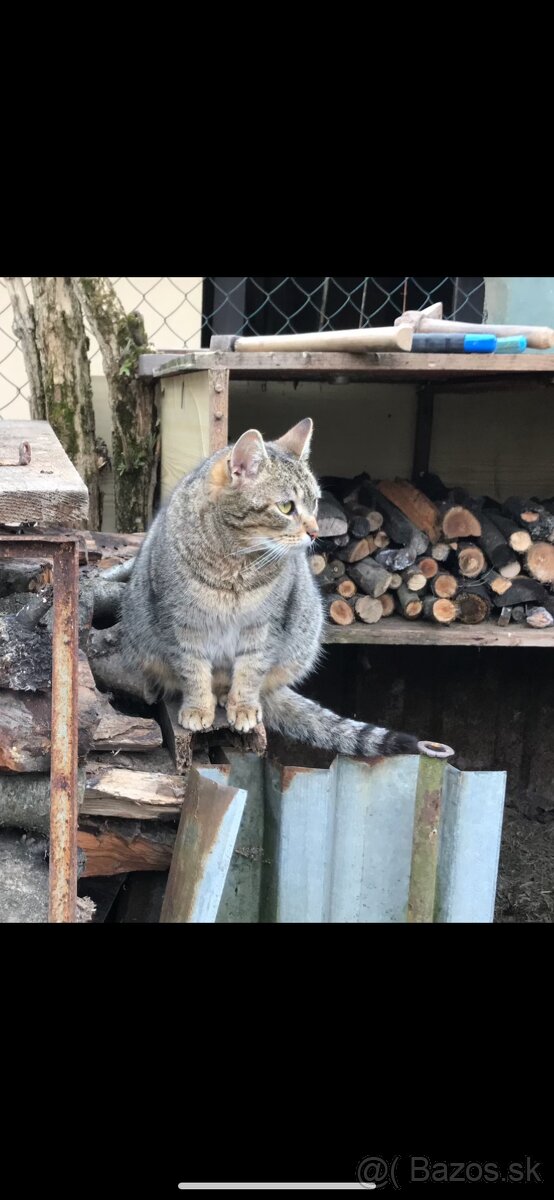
(351, 341)
(429, 320)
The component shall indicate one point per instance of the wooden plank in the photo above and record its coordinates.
(48, 489)
(185, 426)
(392, 365)
(396, 631)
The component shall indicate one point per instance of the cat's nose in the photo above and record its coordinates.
(312, 529)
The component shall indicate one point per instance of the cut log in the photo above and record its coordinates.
(340, 611)
(25, 801)
(471, 561)
(440, 551)
(444, 586)
(539, 618)
(369, 610)
(428, 567)
(498, 584)
(518, 539)
(111, 672)
(409, 603)
(373, 518)
(25, 654)
(539, 561)
(370, 578)
(460, 522)
(511, 570)
(387, 604)
(346, 588)
(414, 579)
(359, 526)
(521, 591)
(111, 792)
(473, 607)
(380, 540)
(395, 581)
(25, 722)
(396, 525)
(518, 614)
(442, 611)
(495, 547)
(343, 540)
(331, 517)
(318, 562)
(538, 520)
(334, 570)
(414, 504)
(356, 550)
(16, 576)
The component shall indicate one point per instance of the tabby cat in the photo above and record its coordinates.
(223, 608)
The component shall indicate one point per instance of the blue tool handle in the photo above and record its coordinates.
(511, 345)
(454, 343)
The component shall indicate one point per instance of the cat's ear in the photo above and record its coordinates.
(247, 456)
(297, 440)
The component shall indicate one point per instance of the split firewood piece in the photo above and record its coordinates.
(418, 508)
(460, 522)
(414, 579)
(331, 517)
(370, 577)
(340, 611)
(114, 847)
(409, 603)
(346, 588)
(118, 732)
(471, 561)
(498, 584)
(444, 585)
(473, 607)
(398, 527)
(112, 792)
(442, 611)
(387, 604)
(518, 539)
(505, 616)
(539, 561)
(539, 618)
(368, 609)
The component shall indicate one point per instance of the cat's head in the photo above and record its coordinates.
(267, 492)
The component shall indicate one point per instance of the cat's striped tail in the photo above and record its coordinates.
(289, 713)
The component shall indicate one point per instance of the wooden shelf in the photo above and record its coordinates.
(397, 631)
(393, 366)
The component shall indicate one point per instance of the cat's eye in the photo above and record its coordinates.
(286, 508)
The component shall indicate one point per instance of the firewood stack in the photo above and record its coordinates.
(133, 758)
(433, 554)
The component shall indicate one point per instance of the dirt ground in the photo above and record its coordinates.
(525, 890)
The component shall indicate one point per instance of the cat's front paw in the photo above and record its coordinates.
(196, 719)
(242, 716)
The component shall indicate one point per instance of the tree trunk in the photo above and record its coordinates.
(24, 328)
(62, 349)
(122, 339)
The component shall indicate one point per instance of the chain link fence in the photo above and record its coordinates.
(183, 312)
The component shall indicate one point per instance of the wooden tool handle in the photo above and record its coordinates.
(352, 341)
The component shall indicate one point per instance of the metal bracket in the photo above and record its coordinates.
(24, 456)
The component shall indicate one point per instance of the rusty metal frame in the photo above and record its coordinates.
(63, 550)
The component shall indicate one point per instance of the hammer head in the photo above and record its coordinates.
(223, 341)
(414, 318)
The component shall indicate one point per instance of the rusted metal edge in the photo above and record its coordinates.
(63, 768)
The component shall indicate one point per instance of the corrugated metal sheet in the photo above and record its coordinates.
(336, 845)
